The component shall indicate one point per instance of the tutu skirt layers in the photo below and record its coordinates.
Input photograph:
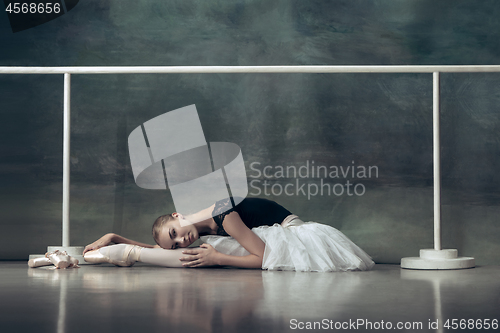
(300, 246)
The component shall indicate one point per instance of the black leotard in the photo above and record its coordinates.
(254, 212)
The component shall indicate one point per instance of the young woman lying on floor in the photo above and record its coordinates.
(262, 233)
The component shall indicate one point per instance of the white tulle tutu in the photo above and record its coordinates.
(300, 246)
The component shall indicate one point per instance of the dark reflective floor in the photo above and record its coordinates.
(143, 298)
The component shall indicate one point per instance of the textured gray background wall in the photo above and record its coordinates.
(382, 120)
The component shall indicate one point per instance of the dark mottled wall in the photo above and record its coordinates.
(382, 120)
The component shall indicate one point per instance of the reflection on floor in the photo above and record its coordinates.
(142, 298)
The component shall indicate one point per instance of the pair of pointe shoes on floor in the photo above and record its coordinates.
(60, 259)
(124, 255)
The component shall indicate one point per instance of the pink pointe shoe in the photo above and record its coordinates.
(124, 255)
(60, 259)
(39, 262)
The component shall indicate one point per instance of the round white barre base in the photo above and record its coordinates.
(73, 251)
(438, 259)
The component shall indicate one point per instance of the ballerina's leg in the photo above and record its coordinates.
(162, 257)
(127, 255)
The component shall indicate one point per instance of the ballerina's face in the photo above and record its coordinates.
(173, 236)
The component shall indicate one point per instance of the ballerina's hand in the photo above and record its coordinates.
(101, 242)
(203, 256)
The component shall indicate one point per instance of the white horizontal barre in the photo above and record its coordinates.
(250, 69)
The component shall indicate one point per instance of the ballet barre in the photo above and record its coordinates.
(252, 69)
(436, 258)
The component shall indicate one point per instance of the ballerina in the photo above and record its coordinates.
(262, 234)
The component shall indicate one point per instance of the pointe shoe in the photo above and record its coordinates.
(39, 262)
(61, 259)
(128, 257)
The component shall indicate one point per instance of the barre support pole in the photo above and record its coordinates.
(437, 258)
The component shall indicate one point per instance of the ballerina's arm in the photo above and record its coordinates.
(114, 238)
(122, 240)
(206, 255)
